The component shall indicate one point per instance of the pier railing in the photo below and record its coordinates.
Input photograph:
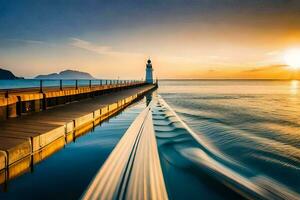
(7, 86)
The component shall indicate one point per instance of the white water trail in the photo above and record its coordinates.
(213, 161)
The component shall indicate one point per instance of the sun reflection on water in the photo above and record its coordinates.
(294, 87)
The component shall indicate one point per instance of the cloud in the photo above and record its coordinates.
(32, 41)
(83, 44)
(13, 42)
(273, 53)
(266, 68)
(99, 49)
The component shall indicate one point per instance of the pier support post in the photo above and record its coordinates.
(19, 106)
(44, 104)
(60, 85)
(7, 106)
(41, 86)
(37, 105)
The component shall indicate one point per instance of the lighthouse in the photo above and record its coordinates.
(149, 69)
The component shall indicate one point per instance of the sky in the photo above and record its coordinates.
(184, 38)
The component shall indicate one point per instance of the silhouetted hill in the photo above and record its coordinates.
(7, 75)
(66, 74)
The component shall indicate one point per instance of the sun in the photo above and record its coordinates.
(292, 58)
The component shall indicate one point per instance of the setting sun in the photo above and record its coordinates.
(292, 58)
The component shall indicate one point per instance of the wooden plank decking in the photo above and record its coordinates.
(23, 136)
(17, 102)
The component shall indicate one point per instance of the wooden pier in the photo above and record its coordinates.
(31, 132)
(17, 102)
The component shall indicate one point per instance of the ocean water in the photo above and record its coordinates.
(216, 140)
(229, 139)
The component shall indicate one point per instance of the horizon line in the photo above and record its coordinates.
(227, 79)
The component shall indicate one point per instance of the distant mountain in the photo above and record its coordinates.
(7, 75)
(67, 74)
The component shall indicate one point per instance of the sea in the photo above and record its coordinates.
(245, 138)
(217, 139)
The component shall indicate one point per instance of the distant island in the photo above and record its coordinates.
(66, 74)
(7, 75)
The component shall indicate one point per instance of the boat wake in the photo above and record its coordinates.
(188, 158)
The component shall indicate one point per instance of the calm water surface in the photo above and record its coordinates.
(67, 173)
(253, 124)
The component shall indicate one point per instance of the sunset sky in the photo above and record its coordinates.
(184, 38)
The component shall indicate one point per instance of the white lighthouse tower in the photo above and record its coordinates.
(149, 69)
